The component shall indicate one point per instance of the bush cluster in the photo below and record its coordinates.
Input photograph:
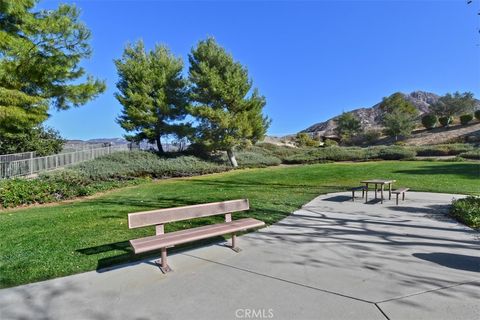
(101, 174)
(467, 211)
(473, 154)
(251, 159)
(351, 154)
(443, 149)
(127, 165)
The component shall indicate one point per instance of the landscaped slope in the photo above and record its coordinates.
(56, 240)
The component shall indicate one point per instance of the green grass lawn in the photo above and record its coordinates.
(44, 242)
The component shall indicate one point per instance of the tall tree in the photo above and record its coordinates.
(153, 93)
(348, 126)
(40, 53)
(399, 115)
(229, 112)
(455, 104)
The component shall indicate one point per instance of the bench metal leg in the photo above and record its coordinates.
(234, 243)
(397, 198)
(163, 263)
(403, 196)
(353, 195)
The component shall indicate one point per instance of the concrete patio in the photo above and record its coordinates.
(332, 259)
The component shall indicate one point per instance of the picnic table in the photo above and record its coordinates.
(382, 184)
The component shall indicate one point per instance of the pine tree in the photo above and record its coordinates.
(40, 54)
(152, 92)
(228, 110)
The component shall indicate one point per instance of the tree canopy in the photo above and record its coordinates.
(399, 115)
(348, 126)
(228, 110)
(40, 55)
(455, 104)
(153, 93)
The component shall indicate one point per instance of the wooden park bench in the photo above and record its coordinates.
(363, 188)
(402, 192)
(162, 241)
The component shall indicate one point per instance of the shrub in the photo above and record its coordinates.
(252, 159)
(443, 149)
(429, 121)
(445, 121)
(372, 135)
(396, 153)
(326, 154)
(279, 151)
(330, 143)
(128, 165)
(305, 140)
(466, 118)
(477, 115)
(467, 211)
(474, 155)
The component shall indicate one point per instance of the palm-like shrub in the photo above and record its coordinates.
(466, 118)
(429, 121)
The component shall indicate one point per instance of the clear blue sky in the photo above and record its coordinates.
(311, 59)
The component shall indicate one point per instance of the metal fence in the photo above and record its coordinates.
(26, 167)
(17, 156)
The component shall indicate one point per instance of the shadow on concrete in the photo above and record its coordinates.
(340, 199)
(452, 260)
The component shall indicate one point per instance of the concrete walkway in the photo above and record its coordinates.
(333, 259)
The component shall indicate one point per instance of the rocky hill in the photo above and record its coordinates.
(370, 118)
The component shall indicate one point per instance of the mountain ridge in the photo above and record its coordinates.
(370, 117)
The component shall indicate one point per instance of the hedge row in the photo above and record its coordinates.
(443, 149)
(351, 154)
(101, 174)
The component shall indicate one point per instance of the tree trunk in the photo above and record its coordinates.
(159, 145)
(231, 157)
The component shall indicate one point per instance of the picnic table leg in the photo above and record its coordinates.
(366, 193)
(381, 192)
(390, 191)
(375, 191)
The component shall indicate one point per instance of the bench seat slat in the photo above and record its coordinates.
(402, 190)
(189, 235)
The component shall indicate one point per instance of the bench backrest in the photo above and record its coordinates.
(162, 216)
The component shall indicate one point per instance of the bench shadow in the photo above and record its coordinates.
(452, 260)
(128, 258)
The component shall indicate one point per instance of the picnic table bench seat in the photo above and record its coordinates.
(362, 188)
(161, 240)
(400, 191)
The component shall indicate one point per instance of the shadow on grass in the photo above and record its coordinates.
(465, 170)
